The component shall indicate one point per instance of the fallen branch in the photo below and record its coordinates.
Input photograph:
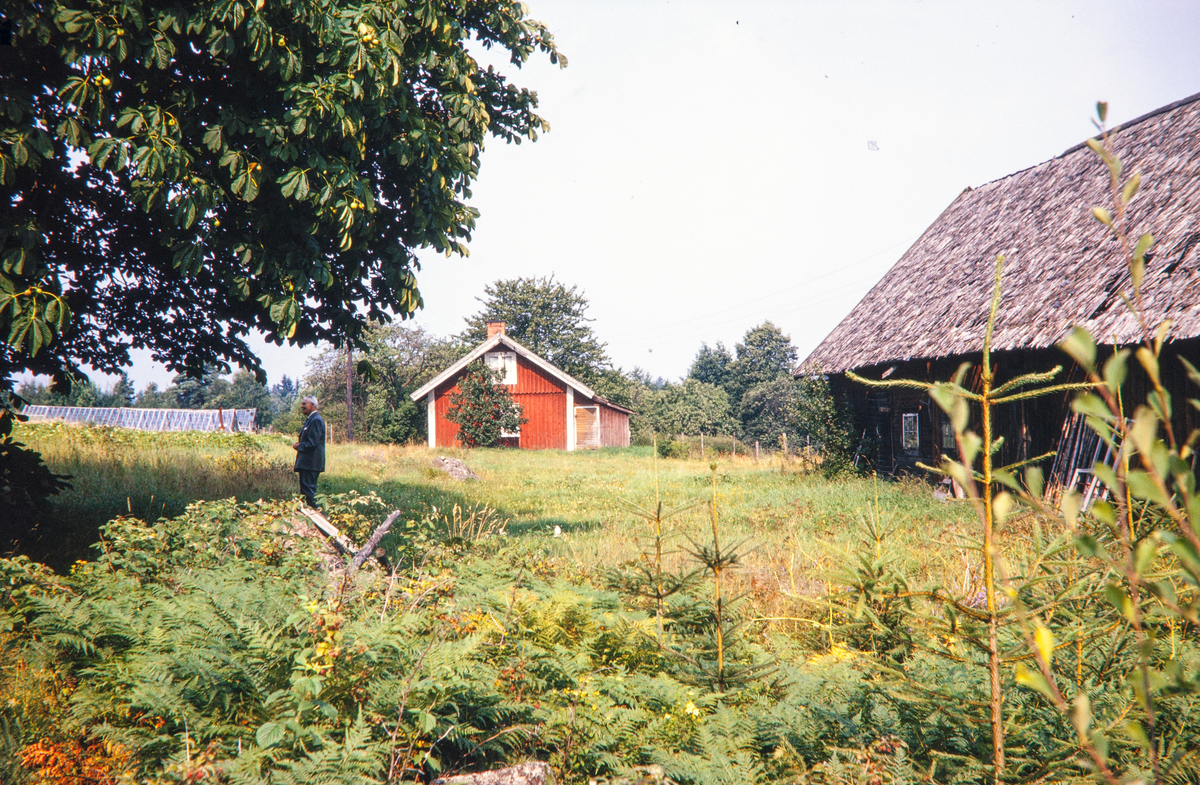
(346, 548)
(372, 542)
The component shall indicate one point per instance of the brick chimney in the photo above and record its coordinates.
(495, 327)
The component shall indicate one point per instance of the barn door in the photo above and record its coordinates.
(587, 427)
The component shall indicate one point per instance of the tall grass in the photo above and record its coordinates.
(117, 472)
(798, 526)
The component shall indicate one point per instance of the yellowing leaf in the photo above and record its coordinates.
(1044, 640)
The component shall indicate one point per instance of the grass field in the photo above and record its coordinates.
(796, 526)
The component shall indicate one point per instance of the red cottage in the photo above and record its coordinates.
(563, 413)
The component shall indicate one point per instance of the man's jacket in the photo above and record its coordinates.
(310, 455)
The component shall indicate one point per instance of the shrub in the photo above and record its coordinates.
(672, 448)
(482, 409)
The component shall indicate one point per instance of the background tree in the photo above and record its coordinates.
(223, 167)
(122, 392)
(546, 317)
(82, 391)
(825, 424)
(243, 391)
(712, 365)
(764, 355)
(153, 398)
(692, 408)
(202, 392)
(401, 359)
(284, 393)
(482, 408)
(768, 411)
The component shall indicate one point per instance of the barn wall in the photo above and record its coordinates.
(614, 427)
(1030, 428)
(547, 426)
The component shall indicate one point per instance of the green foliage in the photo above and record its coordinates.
(763, 355)
(119, 471)
(760, 390)
(767, 412)
(712, 365)
(548, 318)
(672, 448)
(26, 483)
(482, 408)
(691, 408)
(399, 359)
(244, 166)
(216, 643)
(824, 425)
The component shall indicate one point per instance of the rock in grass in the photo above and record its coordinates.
(534, 773)
(455, 468)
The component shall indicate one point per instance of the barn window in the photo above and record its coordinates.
(505, 363)
(947, 434)
(908, 432)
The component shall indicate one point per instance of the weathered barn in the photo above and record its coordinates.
(1063, 268)
(563, 413)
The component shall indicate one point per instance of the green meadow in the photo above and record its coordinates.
(795, 523)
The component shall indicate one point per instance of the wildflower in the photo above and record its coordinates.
(691, 709)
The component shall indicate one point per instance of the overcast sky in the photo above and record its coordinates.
(710, 167)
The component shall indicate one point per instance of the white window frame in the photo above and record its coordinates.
(915, 428)
(505, 363)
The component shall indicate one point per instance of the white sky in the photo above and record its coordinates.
(708, 165)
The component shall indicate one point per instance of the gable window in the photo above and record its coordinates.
(908, 432)
(505, 363)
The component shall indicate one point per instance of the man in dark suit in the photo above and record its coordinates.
(310, 450)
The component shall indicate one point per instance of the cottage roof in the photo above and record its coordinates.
(501, 339)
(1062, 267)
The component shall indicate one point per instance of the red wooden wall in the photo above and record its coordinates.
(543, 399)
(614, 427)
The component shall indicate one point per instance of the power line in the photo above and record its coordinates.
(776, 293)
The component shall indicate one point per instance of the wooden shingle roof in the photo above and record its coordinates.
(1062, 266)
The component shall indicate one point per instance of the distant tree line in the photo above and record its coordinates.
(750, 393)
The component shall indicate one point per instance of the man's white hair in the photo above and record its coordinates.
(310, 399)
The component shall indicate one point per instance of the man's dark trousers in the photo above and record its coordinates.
(310, 456)
(308, 486)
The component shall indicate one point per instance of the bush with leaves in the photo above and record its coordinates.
(482, 408)
(218, 645)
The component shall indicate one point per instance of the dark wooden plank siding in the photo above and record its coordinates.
(1030, 428)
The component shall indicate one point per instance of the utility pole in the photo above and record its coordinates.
(349, 391)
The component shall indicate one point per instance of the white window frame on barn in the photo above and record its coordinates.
(910, 425)
(505, 363)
